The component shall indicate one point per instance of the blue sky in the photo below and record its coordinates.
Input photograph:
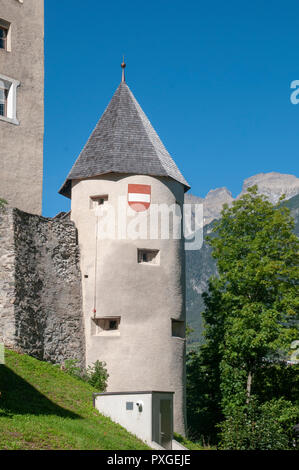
(213, 78)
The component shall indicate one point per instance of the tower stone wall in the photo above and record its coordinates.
(21, 136)
(40, 287)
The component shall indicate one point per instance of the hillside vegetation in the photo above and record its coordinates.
(42, 407)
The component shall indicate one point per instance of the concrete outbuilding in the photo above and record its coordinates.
(148, 415)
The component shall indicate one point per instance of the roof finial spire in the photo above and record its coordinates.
(123, 66)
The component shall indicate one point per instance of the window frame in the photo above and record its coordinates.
(5, 92)
(6, 26)
(11, 85)
(3, 39)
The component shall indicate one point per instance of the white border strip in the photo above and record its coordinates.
(136, 197)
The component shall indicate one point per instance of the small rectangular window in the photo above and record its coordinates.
(96, 201)
(105, 326)
(148, 256)
(8, 99)
(3, 37)
(129, 405)
(178, 328)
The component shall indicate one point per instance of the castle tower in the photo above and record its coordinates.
(133, 289)
(22, 103)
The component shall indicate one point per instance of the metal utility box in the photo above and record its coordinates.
(148, 415)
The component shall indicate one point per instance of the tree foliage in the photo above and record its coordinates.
(258, 263)
(268, 426)
(251, 309)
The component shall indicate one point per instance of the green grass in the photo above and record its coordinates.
(42, 407)
(190, 444)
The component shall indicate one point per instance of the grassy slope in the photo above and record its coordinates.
(191, 445)
(42, 407)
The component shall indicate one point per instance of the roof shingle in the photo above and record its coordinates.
(123, 141)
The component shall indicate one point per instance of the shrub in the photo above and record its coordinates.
(96, 374)
(269, 426)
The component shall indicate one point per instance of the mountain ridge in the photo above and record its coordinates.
(273, 185)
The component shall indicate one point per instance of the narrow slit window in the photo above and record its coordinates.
(148, 256)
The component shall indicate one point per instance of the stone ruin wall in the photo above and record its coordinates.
(40, 287)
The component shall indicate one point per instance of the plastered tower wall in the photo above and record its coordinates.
(21, 141)
(145, 355)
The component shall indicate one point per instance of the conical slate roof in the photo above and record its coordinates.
(123, 141)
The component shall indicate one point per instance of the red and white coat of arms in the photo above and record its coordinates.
(139, 196)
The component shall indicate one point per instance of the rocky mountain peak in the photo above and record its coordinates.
(273, 185)
(219, 193)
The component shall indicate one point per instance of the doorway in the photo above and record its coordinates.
(165, 424)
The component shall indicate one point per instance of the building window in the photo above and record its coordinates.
(8, 99)
(149, 256)
(3, 38)
(3, 100)
(178, 328)
(5, 35)
(96, 201)
(105, 326)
